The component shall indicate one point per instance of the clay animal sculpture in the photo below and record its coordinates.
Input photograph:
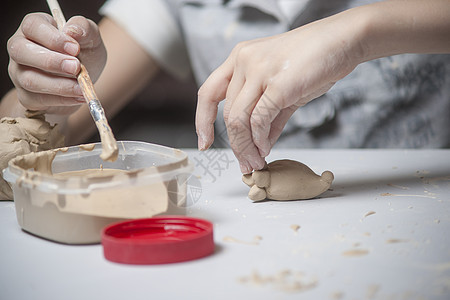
(286, 180)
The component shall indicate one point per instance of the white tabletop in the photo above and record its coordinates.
(392, 207)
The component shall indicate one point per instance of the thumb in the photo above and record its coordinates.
(92, 52)
(84, 31)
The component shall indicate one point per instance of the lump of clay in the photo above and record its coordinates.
(286, 180)
(21, 136)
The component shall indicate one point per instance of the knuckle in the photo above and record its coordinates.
(241, 45)
(226, 115)
(80, 27)
(65, 88)
(60, 89)
(51, 63)
(243, 51)
(56, 41)
(11, 42)
(25, 81)
(81, 21)
(12, 47)
(29, 101)
(236, 125)
(12, 71)
(275, 98)
(259, 121)
(29, 23)
(70, 90)
(202, 92)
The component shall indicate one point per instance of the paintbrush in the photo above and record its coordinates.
(109, 144)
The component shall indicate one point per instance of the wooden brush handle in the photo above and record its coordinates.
(86, 84)
(83, 77)
(109, 144)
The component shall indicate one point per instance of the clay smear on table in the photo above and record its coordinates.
(398, 186)
(355, 252)
(369, 213)
(285, 281)
(231, 239)
(286, 180)
(401, 195)
(396, 241)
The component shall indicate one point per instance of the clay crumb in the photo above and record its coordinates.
(369, 214)
(355, 252)
(231, 239)
(295, 227)
(337, 295)
(395, 241)
(285, 281)
(372, 291)
(398, 186)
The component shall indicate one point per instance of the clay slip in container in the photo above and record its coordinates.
(75, 209)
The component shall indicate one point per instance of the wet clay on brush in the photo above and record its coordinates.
(286, 180)
(20, 136)
(109, 144)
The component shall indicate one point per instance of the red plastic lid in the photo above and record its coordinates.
(158, 240)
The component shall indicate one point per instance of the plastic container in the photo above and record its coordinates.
(75, 209)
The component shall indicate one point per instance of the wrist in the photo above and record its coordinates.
(376, 38)
(396, 27)
(357, 23)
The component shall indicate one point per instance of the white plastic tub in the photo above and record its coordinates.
(74, 210)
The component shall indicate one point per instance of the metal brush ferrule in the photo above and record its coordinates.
(96, 110)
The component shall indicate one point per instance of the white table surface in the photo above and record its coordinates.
(406, 238)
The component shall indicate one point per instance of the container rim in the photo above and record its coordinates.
(29, 178)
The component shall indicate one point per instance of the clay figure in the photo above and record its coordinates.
(286, 180)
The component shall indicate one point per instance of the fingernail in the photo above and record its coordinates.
(244, 169)
(71, 48)
(201, 142)
(70, 66)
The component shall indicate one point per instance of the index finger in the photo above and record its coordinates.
(41, 29)
(210, 94)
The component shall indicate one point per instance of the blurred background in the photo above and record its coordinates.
(163, 113)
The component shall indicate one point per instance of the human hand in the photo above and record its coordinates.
(265, 80)
(43, 61)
